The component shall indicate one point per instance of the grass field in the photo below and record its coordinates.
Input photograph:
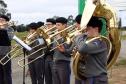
(19, 35)
(17, 52)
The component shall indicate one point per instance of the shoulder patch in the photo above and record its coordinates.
(96, 42)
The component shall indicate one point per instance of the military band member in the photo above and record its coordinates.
(40, 24)
(36, 68)
(6, 36)
(96, 54)
(50, 22)
(61, 61)
(78, 20)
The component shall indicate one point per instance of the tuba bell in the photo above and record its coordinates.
(104, 10)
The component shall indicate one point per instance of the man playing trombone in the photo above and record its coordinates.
(61, 61)
(6, 34)
(50, 23)
(36, 67)
(94, 54)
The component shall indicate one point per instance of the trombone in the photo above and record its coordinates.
(7, 57)
(46, 30)
(20, 62)
(42, 33)
(16, 51)
(47, 40)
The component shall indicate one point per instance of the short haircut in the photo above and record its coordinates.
(33, 25)
(78, 18)
(95, 22)
(61, 20)
(51, 20)
(5, 17)
(40, 24)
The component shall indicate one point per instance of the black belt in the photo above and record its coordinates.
(61, 61)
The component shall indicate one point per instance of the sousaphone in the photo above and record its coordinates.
(79, 61)
(100, 8)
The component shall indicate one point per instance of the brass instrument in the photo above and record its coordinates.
(50, 29)
(104, 10)
(43, 27)
(79, 60)
(64, 30)
(45, 32)
(96, 11)
(30, 38)
(41, 32)
(16, 50)
(20, 61)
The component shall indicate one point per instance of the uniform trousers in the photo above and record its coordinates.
(37, 71)
(61, 72)
(48, 71)
(5, 73)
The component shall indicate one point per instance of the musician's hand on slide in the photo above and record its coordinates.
(61, 48)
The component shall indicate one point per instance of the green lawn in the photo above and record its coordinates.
(19, 35)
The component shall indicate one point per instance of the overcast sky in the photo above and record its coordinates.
(120, 6)
(26, 11)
